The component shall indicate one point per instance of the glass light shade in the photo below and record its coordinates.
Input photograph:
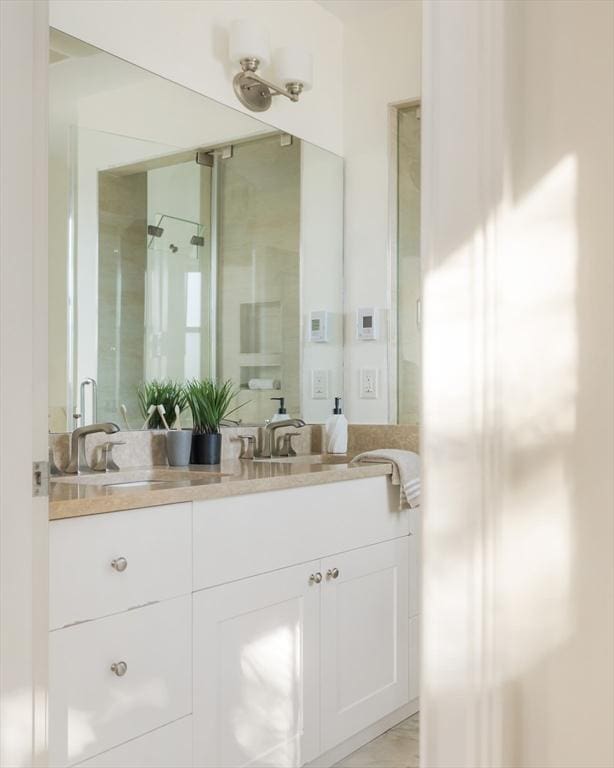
(248, 40)
(294, 65)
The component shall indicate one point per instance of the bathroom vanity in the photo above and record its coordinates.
(273, 627)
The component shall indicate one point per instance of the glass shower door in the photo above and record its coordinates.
(177, 314)
(258, 223)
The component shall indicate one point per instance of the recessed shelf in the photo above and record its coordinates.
(260, 329)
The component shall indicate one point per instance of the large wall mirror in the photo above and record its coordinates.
(186, 240)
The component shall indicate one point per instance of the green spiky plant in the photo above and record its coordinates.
(161, 392)
(210, 403)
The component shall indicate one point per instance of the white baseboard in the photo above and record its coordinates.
(328, 759)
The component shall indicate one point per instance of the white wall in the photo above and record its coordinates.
(186, 42)
(518, 414)
(381, 67)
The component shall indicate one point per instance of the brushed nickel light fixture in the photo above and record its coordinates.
(249, 46)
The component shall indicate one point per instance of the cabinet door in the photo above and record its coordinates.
(364, 638)
(256, 670)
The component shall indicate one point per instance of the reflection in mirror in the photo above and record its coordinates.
(187, 240)
(408, 268)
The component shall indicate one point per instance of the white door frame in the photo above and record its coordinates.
(460, 131)
(23, 381)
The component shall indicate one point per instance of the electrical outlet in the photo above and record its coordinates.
(319, 385)
(368, 383)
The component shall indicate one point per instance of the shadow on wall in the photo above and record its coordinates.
(558, 391)
(550, 533)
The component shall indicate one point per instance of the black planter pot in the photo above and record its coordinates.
(206, 449)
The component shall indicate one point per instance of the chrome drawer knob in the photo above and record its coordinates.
(315, 578)
(119, 668)
(119, 564)
(332, 573)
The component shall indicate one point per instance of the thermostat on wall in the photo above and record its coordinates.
(318, 326)
(366, 324)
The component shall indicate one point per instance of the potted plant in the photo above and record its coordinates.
(210, 403)
(168, 393)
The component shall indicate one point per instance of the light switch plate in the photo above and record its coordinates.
(319, 385)
(368, 383)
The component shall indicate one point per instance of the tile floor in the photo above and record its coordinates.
(397, 748)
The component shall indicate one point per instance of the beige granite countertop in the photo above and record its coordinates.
(72, 497)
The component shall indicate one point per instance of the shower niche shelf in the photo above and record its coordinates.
(248, 372)
(260, 328)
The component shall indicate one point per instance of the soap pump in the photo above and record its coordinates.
(282, 413)
(336, 430)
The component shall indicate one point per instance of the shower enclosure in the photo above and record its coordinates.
(198, 274)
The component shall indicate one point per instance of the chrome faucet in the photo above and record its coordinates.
(268, 449)
(78, 462)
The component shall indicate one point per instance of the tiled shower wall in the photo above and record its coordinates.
(121, 290)
(259, 280)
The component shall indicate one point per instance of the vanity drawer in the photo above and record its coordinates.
(243, 536)
(93, 708)
(166, 747)
(104, 564)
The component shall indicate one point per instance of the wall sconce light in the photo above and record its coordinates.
(249, 45)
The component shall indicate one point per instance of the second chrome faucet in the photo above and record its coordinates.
(268, 448)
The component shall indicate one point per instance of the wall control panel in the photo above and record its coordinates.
(366, 324)
(318, 326)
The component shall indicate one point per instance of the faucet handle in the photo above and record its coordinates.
(248, 443)
(107, 462)
(286, 448)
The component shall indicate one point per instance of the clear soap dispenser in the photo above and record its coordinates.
(282, 413)
(336, 430)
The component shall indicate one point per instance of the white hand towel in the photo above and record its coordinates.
(405, 472)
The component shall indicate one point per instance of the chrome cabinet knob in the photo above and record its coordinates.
(315, 578)
(119, 668)
(119, 564)
(332, 573)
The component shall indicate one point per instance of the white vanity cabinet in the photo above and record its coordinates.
(105, 564)
(166, 747)
(256, 668)
(289, 664)
(364, 620)
(117, 678)
(264, 629)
